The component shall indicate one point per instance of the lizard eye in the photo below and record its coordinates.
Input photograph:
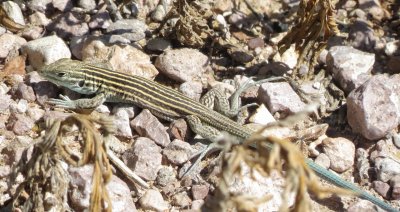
(60, 74)
(81, 83)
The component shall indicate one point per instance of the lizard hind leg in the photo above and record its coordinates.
(208, 132)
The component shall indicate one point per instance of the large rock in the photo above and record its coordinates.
(373, 108)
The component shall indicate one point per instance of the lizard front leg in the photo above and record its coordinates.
(67, 103)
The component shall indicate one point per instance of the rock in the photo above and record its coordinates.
(158, 44)
(22, 124)
(386, 169)
(363, 205)
(45, 50)
(77, 44)
(10, 42)
(262, 116)
(178, 152)
(69, 24)
(43, 89)
(5, 101)
(87, 4)
(197, 204)
(175, 64)
(200, 191)
(255, 184)
(35, 113)
(349, 66)
(63, 5)
(395, 183)
(280, 97)
(341, 153)
(256, 43)
(13, 11)
(180, 130)
(100, 20)
(5, 170)
(25, 92)
(362, 36)
(144, 158)
(392, 48)
(121, 121)
(39, 19)
(191, 89)
(21, 106)
(239, 55)
(373, 8)
(131, 29)
(148, 125)
(166, 175)
(288, 58)
(39, 5)
(123, 58)
(181, 199)
(372, 108)
(381, 188)
(153, 200)
(81, 187)
(323, 160)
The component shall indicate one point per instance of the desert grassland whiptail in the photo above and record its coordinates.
(163, 102)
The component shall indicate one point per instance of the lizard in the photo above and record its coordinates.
(166, 103)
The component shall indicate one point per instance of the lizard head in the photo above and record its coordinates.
(67, 73)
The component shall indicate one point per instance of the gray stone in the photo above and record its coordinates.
(373, 8)
(341, 153)
(5, 101)
(39, 19)
(395, 183)
(372, 108)
(280, 97)
(39, 5)
(192, 89)
(100, 20)
(197, 204)
(132, 29)
(166, 175)
(181, 199)
(81, 187)
(121, 121)
(149, 126)
(363, 205)
(323, 160)
(381, 188)
(87, 4)
(144, 158)
(262, 116)
(122, 58)
(153, 200)
(175, 64)
(22, 124)
(10, 42)
(35, 113)
(392, 48)
(45, 50)
(178, 152)
(200, 191)
(63, 5)
(349, 66)
(386, 169)
(158, 44)
(13, 11)
(69, 24)
(25, 92)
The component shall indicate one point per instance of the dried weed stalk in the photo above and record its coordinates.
(45, 176)
(310, 34)
(266, 157)
(192, 28)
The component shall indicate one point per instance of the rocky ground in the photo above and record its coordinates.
(194, 47)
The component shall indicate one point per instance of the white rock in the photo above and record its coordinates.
(153, 200)
(280, 97)
(349, 66)
(262, 116)
(341, 153)
(46, 50)
(13, 11)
